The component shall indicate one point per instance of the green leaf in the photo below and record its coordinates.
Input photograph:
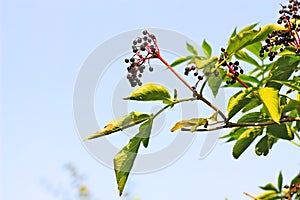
(207, 49)
(282, 69)
(269, 186)
(180, 60)
(279, 181)
(123, 161)
(252, 104)
(238, 102)
(235, 133)
(250, 27)
(295, 180)
(244, 141)
(208, 63)
(289, 83)
(214, 78)
(247, 37)
(242, 55)
(191, 49)
(124, 122)
(253, 117)
(270, 98)
(282, 131)
(291, 105)
(192, 123)
(255, 49)
(151, 92)
(251, 79)
(262, 147)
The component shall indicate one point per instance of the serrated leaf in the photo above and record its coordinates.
(248, 37)
(269, 186)
(282, 69)
(242, 55)
(206, 49)
(244, 141)
(262, 147)
(191, 49)
(279, 181)
(151, 92)
(282, 131)
(123, 161)
(238, 102)
(180, 60)
(124, 122)
(191, 123)
(270, 99)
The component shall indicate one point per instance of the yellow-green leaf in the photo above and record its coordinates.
(120, 124)
(270, 99)
(150, 92)
(238, 102)
(123, 161)
(192, 124)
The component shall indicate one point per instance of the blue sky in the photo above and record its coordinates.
(43, 46)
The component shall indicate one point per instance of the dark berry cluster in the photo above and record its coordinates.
(294, 189)
(144, 48)
(234, 68)
(278, 40)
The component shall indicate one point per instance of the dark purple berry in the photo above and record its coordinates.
(127, 60)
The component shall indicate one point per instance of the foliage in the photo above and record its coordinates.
(266, 104)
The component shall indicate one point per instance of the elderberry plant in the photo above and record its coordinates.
(262, 64)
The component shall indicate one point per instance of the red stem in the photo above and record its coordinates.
(237, 78)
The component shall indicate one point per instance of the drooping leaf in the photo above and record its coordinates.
(191, 49)
(191, 123)
(282, 131)
(151, 92)
(282, 69)
(123, 161)
(262, 147)
(270, 99)
(238, 102)
(206, 49)
(124, 122)
(248, 37)
(244, 56)
(269, 186)
(213, 76)
(244, 141)
(279, 181)
(180, 60)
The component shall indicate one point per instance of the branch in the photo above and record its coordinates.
(199, 96)
(288, 119)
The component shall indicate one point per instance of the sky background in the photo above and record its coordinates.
(43, 46)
